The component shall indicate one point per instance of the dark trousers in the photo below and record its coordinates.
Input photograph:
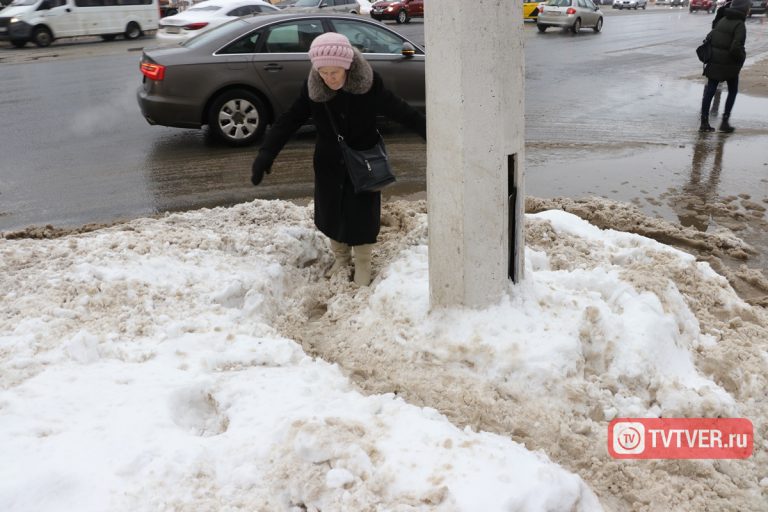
(709, 93)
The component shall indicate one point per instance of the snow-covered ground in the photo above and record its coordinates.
(201, 361)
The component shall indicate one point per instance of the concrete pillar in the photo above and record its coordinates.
(475, 152)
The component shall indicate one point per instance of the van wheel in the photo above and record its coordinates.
(599, 25)
(402, 17)
(42, 37)
(237, 117)
(108, 37)
(132, 31)
(19, 43)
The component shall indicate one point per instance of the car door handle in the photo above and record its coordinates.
(273, 67)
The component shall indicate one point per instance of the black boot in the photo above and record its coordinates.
(725, 125)
(704, 127)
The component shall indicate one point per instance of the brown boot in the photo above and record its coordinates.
(363, 255)
(343, 256)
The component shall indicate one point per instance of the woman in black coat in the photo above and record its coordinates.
(728, 37)
(343, 81)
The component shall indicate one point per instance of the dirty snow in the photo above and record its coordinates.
(201, 361)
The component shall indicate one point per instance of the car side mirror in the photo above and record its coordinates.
(408, 50)
(323, 4)
(44, 6)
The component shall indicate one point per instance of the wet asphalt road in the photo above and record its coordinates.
(608, 114)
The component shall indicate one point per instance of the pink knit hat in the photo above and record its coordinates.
(331, 49)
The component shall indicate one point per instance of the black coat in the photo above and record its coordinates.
(728, 53)
(341, 214)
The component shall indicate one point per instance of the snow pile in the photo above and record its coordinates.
(169, 365)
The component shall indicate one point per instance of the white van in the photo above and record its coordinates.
(42, 21)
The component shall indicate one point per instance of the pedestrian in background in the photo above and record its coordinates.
(728, 54)
(343, 81)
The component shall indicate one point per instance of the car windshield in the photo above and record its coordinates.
(306, 3)
(559, 3)
(24, 2)
(233, 29)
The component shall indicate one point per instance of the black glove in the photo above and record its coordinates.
(262, 164)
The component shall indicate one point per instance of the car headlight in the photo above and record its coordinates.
(14, 20)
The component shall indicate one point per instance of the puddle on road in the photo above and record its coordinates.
(718, 182)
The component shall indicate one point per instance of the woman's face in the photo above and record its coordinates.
(333, 76)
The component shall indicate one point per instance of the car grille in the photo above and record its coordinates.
(5, 22)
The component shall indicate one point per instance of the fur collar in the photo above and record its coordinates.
(359, 80)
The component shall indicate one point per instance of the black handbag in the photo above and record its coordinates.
(368, 169)
(704, 51)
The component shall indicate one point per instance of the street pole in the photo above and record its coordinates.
(475, 73)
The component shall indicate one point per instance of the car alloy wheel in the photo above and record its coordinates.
(542, 28)
(598, 25)
(237, 117)
(576, 26)
(402, 17)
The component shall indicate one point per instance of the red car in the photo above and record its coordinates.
(399, 10)
(701, 5)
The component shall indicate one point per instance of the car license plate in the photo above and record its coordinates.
(377, 11)
(3, 29)
(172, 30)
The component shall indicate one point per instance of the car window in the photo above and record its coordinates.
(245, 10)
(206, 8)
(246, 44)
(559, 3)
(369, 38)
(582, 3)
(306, 3)
(591, 4)
(240, 11)
(292, 37)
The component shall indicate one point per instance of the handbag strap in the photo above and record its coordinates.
(339, 137)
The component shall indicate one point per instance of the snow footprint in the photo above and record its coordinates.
(196, 410)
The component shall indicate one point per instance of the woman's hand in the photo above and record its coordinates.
(262, 165)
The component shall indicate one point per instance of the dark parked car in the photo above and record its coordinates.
(758, 7)
(238, 77)
(402, 11)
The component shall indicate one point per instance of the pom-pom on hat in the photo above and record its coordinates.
(331, 49)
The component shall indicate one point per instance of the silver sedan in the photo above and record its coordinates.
(570, 14)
